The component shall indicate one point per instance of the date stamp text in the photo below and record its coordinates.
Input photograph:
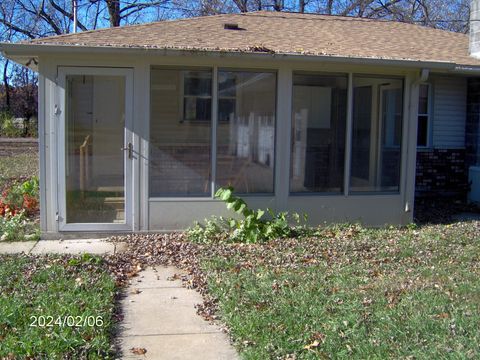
(66, 321)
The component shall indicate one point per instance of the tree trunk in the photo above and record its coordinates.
(329, 7)
(7, 87)
(114, 12)
(301, 6)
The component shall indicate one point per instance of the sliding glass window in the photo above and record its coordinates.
(318, 133)
(180, 132)
(246, 131)
(377, 134)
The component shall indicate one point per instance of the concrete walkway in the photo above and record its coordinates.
(160, 317)
(80, 246)
(160, 320)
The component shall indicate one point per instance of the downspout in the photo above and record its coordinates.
(423, 77)
(413, 109)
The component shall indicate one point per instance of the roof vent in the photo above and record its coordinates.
(231, 26)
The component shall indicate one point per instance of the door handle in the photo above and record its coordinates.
(129, 148)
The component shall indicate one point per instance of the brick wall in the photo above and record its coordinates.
(441, 172)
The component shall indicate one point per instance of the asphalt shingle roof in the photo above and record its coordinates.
(284, 33)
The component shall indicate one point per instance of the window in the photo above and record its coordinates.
(227, 95)
(376, 134)
(318, 133)
(246, 131)
(180, 134)
(423, 116)
(197, 96)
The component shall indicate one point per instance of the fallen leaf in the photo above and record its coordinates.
(313, 345)
(367, 301)
(248, 343)
(442, 316)
(174, 277)
(135, 291)
(319, 336)
(138, 351)
(134, 272)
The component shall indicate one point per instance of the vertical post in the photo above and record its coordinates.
(213, 140)
(74, 5)
(348, 135)
(283, 136)
(42, 98)
(141, 135)
(409, 145)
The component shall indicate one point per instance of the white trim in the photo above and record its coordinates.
(214, 125)
(283, 136)
(42, 149)
(33, 50)
(52, 166)
(409, 146)
(63, 72)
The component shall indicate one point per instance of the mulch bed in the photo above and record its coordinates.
(430, 210)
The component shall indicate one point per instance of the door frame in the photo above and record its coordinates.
(63, 72)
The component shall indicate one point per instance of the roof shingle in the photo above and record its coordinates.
(284, 33)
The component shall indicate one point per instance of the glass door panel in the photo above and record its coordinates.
(95, 136)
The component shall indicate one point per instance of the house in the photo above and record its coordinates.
(323, 115)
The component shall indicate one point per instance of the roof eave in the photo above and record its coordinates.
(24, 53)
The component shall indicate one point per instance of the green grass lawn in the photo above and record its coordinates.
(353, 293)
(55, 308)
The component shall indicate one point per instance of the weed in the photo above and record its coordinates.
(253, 225)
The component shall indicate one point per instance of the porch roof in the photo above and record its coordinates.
(281, 33)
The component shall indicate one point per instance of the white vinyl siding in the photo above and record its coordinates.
(449, 112)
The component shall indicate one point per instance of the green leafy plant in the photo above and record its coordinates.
(31, 187)
(250, 227)
(85, 259)
(13, 196)
(211, 229)
(17, 227)
(20, 196)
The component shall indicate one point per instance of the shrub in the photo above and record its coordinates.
(7, 126)
(252, 226)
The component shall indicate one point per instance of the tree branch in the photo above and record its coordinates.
(67, 14)
(17, 29)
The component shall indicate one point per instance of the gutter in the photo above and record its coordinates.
(467, 70)
(15, 51)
